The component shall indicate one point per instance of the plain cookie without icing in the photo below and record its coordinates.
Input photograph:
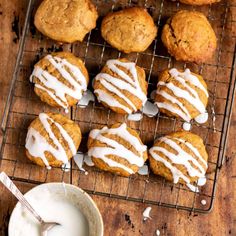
(52, 140)
(118, 149)
(129, 30)
(199, 2)
(121, 86)
(60, 79)
(179, 157)
(188, 36)
(65, 20)
(181, 94)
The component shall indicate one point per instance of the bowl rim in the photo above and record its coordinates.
(100, 219)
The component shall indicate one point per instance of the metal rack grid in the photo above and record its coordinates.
(23, 106)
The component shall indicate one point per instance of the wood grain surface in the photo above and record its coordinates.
(121, 217)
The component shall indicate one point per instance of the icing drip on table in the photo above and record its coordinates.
(37, 145)
(87, 97)
(203, 202)
(56, 89)
(135, 116)
(195, 165)
(146, 213)
(201, 181)
(187, 126)
(150, 109)
(66, 167)
(117, 85)
(143, 170)
(87, 160)
(202, 118)
(79, 161)
(189, 94)
(213, 119)
(117, 149)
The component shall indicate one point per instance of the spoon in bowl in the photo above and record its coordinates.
(45, 226)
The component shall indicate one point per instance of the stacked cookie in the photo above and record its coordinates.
(61, 79)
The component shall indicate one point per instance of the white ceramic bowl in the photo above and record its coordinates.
(74, 195)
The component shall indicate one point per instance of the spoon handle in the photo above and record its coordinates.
(16, 192)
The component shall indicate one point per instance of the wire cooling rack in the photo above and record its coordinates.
(23, 106)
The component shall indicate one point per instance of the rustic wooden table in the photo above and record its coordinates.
(121, 217)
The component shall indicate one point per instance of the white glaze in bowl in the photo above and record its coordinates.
(62, 194)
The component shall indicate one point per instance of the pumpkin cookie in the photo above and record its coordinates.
(181, 94)
(180, 157)
(52, 140)
(199, 2)
(121, 86)
(65, 20)
(60, 79)
(129, 30)
(117, 149)
(189, 36)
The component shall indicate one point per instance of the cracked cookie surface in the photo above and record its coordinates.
(65, 20)
(129, 30)
(189, 36)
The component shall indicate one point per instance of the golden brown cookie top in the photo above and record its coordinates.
(66, 20)
(121, 86)
(117, 149)
(199, 2)
(181, 94)
(129, 30)
(189, 36)
(52, 139)
(182, 154)
(60, 79)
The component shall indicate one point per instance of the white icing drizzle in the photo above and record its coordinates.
(188, 76)
(116, 86)
(117, 149)
(37, 145)
(158, 232)
(143, 170)
(181, 158)
(135, 117)
(187, 126)
(193, 188)
(189, 94)
(150, 109)
(54, 87)
(87, 97)
(202, 118)
(146, 213)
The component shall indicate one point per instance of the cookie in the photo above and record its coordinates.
(188, 36)
(118, 149)
(199, 2)
(60, 79)
(121, 86)
(65, 20)
(180, 157)
(181, 94)
(52, 140)
(129, 30)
